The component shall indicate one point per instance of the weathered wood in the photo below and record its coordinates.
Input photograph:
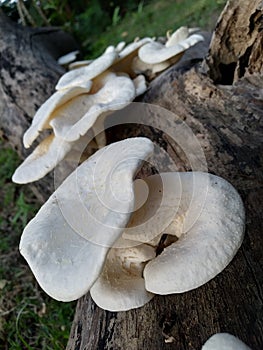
(227, 120)
(237, 45)
(228, 124)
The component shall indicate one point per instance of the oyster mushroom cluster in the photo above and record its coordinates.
(125, 240)
(92, 90)
(103, 231)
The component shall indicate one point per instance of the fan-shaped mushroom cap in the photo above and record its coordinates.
(120, 46)
(179, 35)
(66, 243)
(46, 156)
(209, 225)
(158, 210)
(42, 160)
(78, 64)
(155, 52)
(126, 56)
(44, 113)
(70, 122)
(99, 81)
(78, 77)
(138, 66)
(133, 47)
(210, 233)
(120, 286)
(69, 57)
(224, 341)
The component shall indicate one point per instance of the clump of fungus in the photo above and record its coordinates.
(102, 231)
(183, 234)
(87, 94)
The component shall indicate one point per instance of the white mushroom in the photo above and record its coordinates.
(72, 118)
(44, 113)
(46, 156)
(75, 119)
(126, 56)
(120, 286)
(140, 85)
(69, 57)
(138, 66)
(120, 46)
(209, 229)
(133, 47)
(224, 341)
(67, 242)
(181, 230)
(157, 199)
(202, 219)
(179, 35)
(155, 52)
(42, 160)
(78, 77)
(78, 64)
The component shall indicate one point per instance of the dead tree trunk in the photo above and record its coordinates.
(221, 100)
(227, 119)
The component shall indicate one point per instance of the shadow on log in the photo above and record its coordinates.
(221, 100)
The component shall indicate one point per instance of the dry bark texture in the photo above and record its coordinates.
(227, 120)
(221, 100)
(237, 45)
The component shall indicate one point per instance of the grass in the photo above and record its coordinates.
(29, 319)
(155, 19)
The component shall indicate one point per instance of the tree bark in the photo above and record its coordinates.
(221, 100)
(227, 120)
(237, 45)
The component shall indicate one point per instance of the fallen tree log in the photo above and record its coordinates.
(221, 100)
(227, 120)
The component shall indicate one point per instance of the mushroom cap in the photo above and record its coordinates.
(157, 206)
(66, 243)
(44, 113)
(179, 35)
(224, 341)
(78, 64)
(140, 85)
(133, 47)
(120, 46)
(155, 52)
(69, 57)
(42, 160)
(120, 286)
(46, 156)
(71, 123)
(79, 76)
(139, 66)
(210, 219)
(126, 56)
